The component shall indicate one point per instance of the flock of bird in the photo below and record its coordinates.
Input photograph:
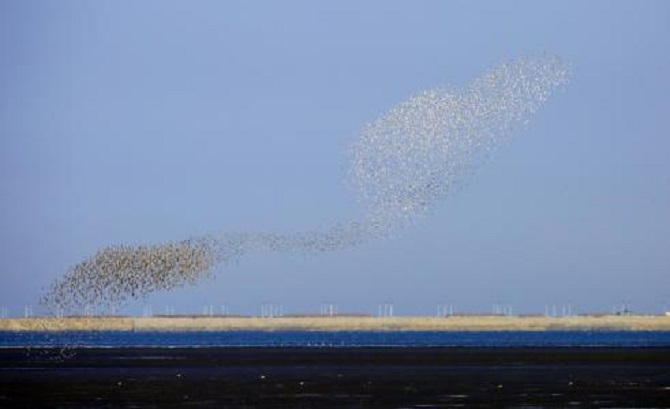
(117, 273)
(403, 163)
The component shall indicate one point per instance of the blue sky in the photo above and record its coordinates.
(143, 122)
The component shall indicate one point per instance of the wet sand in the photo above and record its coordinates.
(336, 377)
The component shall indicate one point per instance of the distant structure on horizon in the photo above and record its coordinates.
(328, 309)
(385, 310)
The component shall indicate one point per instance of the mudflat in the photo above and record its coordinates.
(335, 377)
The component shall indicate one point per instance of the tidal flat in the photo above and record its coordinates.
(336, 377)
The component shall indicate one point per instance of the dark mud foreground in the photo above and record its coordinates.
(336, 377)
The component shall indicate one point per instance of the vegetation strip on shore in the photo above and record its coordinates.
(338, 323)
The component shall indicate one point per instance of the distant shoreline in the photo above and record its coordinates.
(339, 323)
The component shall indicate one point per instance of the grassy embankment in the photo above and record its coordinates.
(339, 323)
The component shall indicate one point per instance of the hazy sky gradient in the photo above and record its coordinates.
(143, 122)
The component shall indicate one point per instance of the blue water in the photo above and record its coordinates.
(338, 339)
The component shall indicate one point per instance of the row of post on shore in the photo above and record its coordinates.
(268, 310)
